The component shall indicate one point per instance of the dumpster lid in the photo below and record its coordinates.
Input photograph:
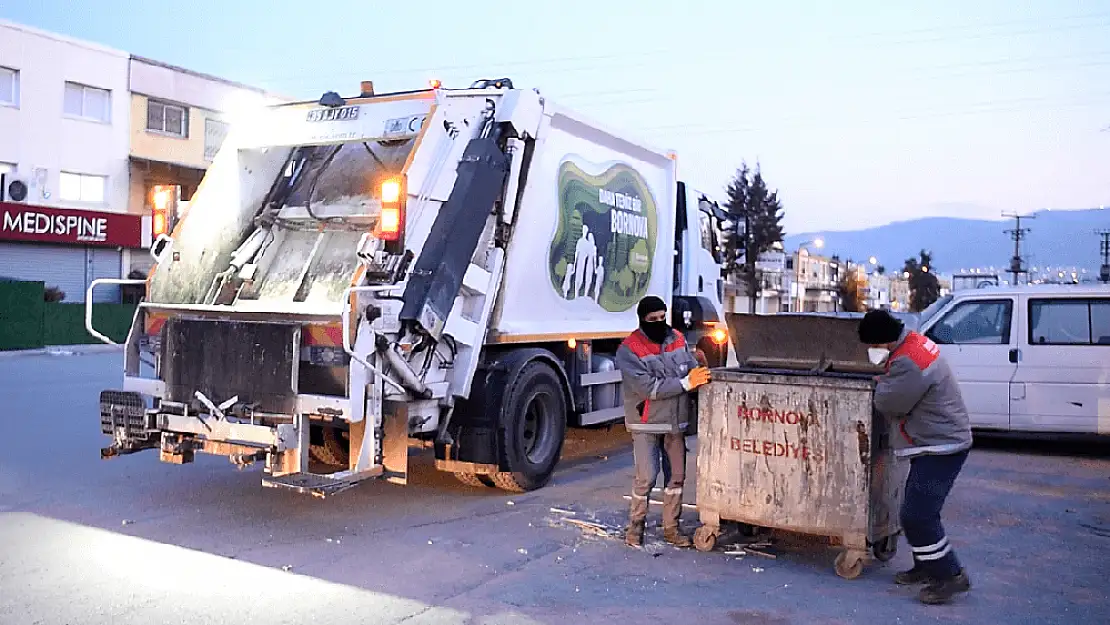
(799, 342)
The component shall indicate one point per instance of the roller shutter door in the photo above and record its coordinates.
(61, 266)
(66, 267)
(104, 263)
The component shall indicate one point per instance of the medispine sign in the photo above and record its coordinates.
(24, 222)
(604, 242)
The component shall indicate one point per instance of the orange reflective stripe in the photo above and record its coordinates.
(918, 349)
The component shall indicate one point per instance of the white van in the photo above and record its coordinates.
(1029, 359)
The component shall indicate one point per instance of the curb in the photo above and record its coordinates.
(62, 350)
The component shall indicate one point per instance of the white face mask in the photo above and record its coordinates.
(877, 354)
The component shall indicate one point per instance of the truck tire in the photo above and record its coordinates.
(534, 423)
(474, 479)
(334, 449)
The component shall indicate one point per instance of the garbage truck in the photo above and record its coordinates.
(441, 268)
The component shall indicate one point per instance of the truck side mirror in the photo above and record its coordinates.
(682, 315)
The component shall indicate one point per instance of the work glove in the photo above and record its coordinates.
(697, 377)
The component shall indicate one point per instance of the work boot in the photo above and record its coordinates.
(672, 511)
(916, 575)
(673, 534)
(942, 590)
(637, 515)
(634, 534)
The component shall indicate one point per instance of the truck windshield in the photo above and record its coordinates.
(709, 240)
(346, 176)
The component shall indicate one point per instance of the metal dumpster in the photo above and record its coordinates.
(789, 440)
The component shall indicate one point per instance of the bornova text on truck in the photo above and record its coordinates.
(449, 268)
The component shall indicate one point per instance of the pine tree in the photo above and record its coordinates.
(757, 213)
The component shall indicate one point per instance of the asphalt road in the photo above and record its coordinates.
(135, 541)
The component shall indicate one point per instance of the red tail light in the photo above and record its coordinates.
(391, 224)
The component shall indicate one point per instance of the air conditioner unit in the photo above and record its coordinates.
(13, 188)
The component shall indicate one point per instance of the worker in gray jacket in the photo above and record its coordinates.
(658, 372)
(921, 395)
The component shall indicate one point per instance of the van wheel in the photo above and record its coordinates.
(533, 425)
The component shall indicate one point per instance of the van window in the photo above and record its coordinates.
(979, 322)
(1069, 322)
(1100, 321)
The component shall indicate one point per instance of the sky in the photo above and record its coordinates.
(859, 113)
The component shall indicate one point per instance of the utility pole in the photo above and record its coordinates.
(1017, 264)
(1104, 250)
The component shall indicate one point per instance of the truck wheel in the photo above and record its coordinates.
(334, 449)
(534, 423)
(474, 479)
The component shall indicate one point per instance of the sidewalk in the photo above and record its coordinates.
(62, 350)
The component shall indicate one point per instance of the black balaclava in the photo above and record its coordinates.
(657, 331)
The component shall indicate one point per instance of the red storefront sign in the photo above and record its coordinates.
(25, 222)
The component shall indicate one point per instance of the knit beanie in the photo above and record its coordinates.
(649, 305)
(879, 327)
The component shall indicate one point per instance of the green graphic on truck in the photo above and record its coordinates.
(605, 240)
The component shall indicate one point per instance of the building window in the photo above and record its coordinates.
(166, 118)
(82, 187)
(215, 131)
(87, 102)
(9, 86)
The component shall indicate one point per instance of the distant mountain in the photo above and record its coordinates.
(1057, 238)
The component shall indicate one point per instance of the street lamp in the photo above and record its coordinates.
(818, 243)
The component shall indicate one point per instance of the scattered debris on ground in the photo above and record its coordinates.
(596, 529)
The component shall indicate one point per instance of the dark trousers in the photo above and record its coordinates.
(929, 482)
(650, 453)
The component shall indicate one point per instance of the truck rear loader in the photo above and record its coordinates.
(446, 268)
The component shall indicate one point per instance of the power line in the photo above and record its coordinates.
(1017, 233)
(909, 74)
(497, 66)
(689, 130)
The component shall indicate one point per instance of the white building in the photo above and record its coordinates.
(64, 109)
(88, 136)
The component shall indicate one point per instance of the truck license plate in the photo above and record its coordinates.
(337, 114)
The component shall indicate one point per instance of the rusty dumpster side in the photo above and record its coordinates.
(797, 451)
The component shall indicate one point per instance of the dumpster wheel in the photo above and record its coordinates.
(886, 548)
(849, 564)
(705, 538)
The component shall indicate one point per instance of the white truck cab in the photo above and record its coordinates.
(1030, 359)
